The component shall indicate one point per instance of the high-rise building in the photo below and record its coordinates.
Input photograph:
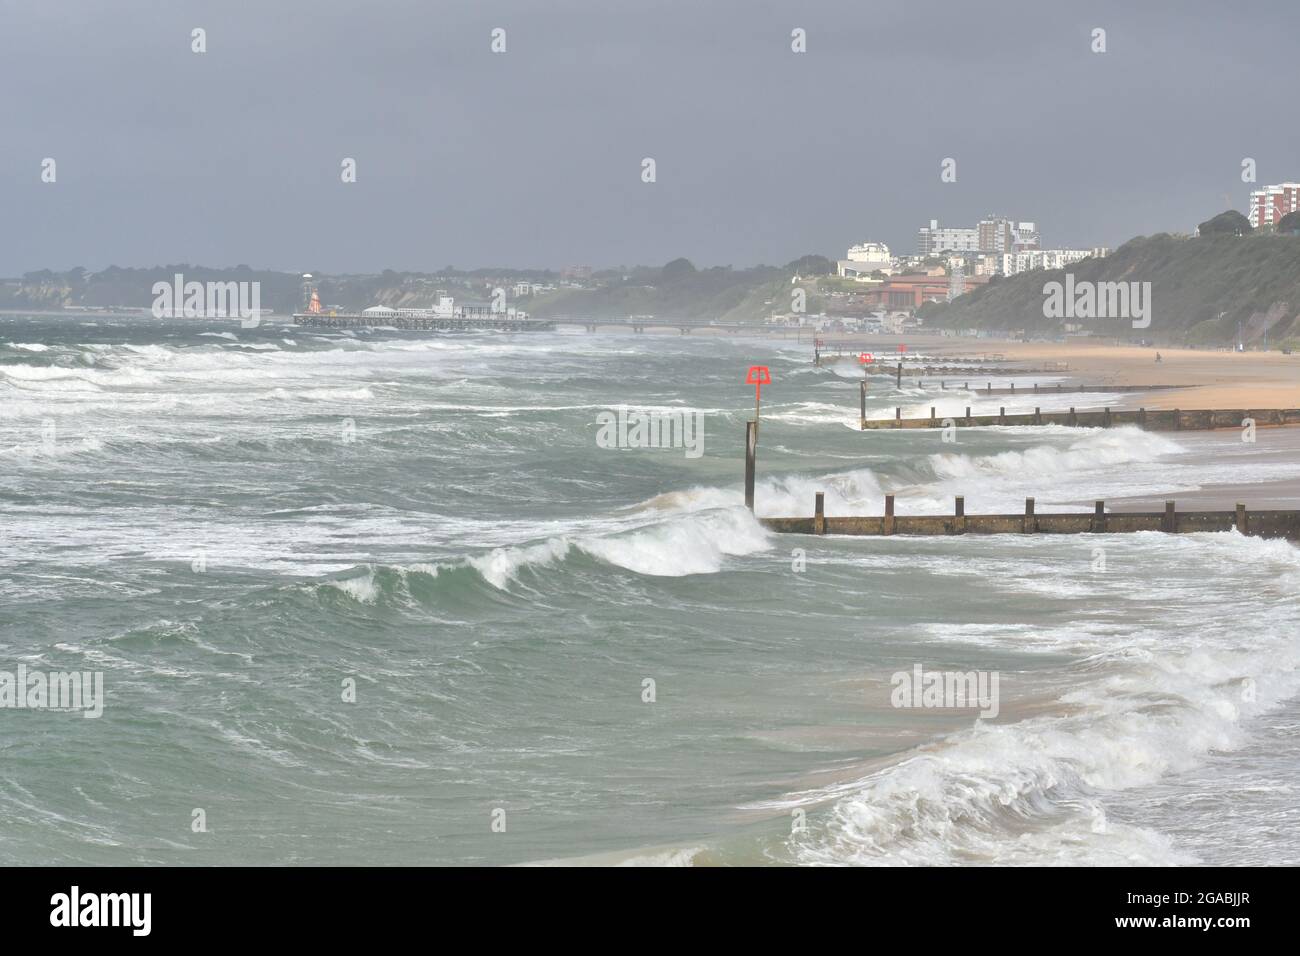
(1271, 203)
(932, 240)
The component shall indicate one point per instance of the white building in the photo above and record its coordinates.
(931, 239)
(1014, 263)
(875, 254)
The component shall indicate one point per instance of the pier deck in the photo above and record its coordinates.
(476, 322)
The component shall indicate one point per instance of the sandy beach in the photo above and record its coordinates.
(1215, 378)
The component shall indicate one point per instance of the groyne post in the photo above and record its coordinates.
(1170, 522)
(862, 400)
(898, 418)
(960, 515)
(819, 513)
(898, 381)
(1241, 518)
(1030, 525)
(751, 454)
(889, 514)
(1099, 517)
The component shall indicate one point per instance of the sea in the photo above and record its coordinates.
(393, 598)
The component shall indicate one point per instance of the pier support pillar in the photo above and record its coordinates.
(819, 513)
(751, 454)
(889, 514)
(1031, 523)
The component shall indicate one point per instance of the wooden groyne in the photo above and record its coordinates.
(1264, 524)
(1160, 419)
(1155, 420)
(1037, 389)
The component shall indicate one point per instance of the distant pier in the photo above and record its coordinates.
(465, 320)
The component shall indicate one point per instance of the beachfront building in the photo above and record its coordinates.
(1271, 203)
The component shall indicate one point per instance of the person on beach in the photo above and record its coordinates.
(1157, 358)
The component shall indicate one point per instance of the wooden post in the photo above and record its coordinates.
(898, 382)
(1142, 417)
(898, 417)
(1031, 524)
(1013, 388)
(862, 402)
(1171, 521)
(931, 416)
(967, 414)
(1106, 418)
(961, 514)
(819, 513)
(889, 514)
(1178, 421)
(1038, 420)
(1002, 415)
(1099, 517)
(1241, 518)
(1073, 418)
(751, 454)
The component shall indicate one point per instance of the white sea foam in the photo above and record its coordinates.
(1148, 703)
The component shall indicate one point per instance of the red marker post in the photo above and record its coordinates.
(865, 358)
(758, 376)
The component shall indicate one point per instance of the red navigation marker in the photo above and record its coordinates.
(902, 347)
(758, 376)
(865, 358)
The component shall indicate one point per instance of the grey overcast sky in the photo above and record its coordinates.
(532, 158)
